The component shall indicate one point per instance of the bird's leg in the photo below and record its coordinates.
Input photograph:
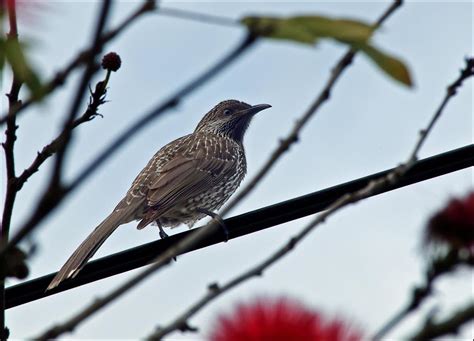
(217, 218)
(163, 234)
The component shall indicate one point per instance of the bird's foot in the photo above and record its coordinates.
(163, 234)
(219, 220)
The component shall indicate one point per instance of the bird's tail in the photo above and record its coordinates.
(88, 248)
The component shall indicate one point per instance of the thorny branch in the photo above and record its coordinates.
(55, 190)
(215, 290)
(10, 133)
(438, 268)
(183, 245)
(68, 126)
(8, 147)
(451, 325)
(14, 183)
(81, 58)
(97, 98)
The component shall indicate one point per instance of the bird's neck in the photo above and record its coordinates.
(233, 135)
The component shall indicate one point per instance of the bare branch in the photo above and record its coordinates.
(81, 58)
(421, 293)
(97, 98)
(347, 199)
(9, 147)
(452, 89)
(10, 133)
(58, 145)
(439, 267)
(89, 71)
(449, 326)
(56, 190)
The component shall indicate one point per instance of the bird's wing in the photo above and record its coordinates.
(186, 177)
(137, 194)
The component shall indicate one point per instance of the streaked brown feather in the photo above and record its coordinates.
(183, 178)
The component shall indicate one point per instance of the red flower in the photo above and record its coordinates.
(281, 319)
(453, 225)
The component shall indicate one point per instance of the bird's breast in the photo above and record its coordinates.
(224, 161)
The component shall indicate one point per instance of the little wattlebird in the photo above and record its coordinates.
(185, 180)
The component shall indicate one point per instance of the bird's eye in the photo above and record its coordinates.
(227, 112)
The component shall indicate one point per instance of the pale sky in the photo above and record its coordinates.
(361, 264)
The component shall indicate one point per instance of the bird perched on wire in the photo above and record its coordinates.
(185, 180)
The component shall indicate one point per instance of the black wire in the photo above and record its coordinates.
(241, 225)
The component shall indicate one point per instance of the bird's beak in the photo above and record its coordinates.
(254, 109)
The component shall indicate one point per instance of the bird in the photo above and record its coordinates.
(186, 180)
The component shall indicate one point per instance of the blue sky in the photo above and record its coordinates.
(361, 263)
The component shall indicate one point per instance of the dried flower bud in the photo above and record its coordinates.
(453, 225)
(15, 264)
(281, 319)
(111, 61)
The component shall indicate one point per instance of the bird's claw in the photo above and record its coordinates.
(219, 220)
(164, 235)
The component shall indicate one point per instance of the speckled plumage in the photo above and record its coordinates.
(214, 164)
(196, 172)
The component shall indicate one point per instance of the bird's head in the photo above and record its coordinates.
(230, 118)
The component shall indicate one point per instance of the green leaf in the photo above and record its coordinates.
(392, 66)
(309, 29)
(14, 55)
(344, 30)
(277, 29)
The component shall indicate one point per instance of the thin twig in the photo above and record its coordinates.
(81, 58)
(56, 190)
(466, 72)
(97, 98)
(438, 268)
(58, 145)
(199, 17)
(418, 297)
(9, 146)
(451, 325)
(285, 144)
(10, 133)
(89, 71)
(374, 186)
